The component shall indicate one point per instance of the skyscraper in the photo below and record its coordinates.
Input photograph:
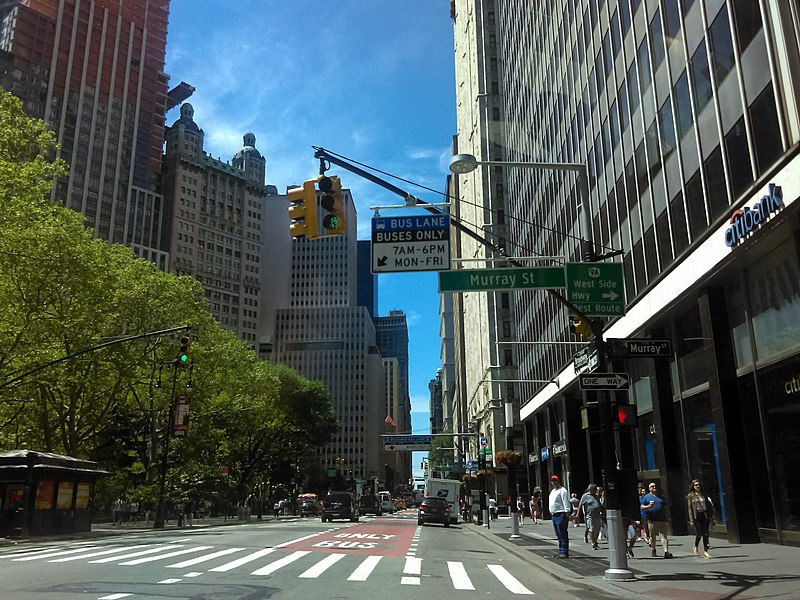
(326, 336)
(93, 70)
(392, 341)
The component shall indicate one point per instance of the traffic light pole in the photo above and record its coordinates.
(618, 561)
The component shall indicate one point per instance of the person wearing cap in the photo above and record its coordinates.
(560, 511)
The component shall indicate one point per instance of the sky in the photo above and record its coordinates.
(372, 80)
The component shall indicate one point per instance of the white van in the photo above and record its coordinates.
(387, 504)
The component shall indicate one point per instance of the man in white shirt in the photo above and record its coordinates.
(560, 511)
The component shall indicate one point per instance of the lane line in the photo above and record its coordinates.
(114, 596)
(459, 577)
(204, 558)
(242, 561)
(279, 564)
(322, 566)
(509, 581)
(364, 570)
(409, 581)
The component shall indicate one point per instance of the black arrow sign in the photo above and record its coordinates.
(382, 261)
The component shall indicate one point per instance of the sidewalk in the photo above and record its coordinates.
(735, 571)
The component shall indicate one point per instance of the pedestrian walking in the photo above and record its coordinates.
(533, 506)
(116, 510)
(590, 508)
(520, 510)
(645, 528)
(701, 515)
(560, 512)
(658, 516)
(134, 514)
(492, 509)
(575, 502)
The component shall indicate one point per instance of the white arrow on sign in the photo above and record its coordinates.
(610, 296)
(604, 381)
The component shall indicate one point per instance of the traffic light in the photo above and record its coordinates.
(332, 203)
(185, 349)
(303, 211)
(624, 416)
(579, 326)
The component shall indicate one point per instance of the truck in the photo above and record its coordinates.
(450, 490)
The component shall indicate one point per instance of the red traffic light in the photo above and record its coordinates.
(625, 415)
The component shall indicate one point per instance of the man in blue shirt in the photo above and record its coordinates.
(658, 517)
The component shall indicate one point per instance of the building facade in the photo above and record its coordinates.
(686, 115)
(215, 212)
(93, 70)
(484, 374)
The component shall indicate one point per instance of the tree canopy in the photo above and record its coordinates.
(63, 291)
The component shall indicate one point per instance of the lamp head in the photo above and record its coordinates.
(461, 164)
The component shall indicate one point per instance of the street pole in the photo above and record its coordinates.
(512, 476)
(160, 521)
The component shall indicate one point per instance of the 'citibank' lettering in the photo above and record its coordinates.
(792, 386)
(744, 220)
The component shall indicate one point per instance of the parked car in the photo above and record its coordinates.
(434, 510)
(339, 505)
(370, 504)
(309, 507)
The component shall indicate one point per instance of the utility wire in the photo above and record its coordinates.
(468, 203)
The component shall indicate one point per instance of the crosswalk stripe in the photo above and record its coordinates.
(509, 581)
(243, 560)
(413, 566)
(134, 554)
(278, 564)
(50, 554)
(364, 570)
(146, 559)
(322, 566)
(459, 577)
(204, 558)
(100, 553)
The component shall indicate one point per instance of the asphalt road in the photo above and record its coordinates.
(292, 558)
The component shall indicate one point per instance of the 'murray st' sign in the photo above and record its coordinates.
(501, 279)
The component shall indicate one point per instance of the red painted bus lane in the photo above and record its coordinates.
(376, 539)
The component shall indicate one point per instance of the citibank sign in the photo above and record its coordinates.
(745, 220)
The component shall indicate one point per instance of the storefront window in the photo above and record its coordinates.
(774, 284)
(64, 499)
(739, 327)
(45, 493)
(780, 387)
(703, 447)
(690, 351)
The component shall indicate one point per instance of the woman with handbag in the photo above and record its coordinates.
(701, 514)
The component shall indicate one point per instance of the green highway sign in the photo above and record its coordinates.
(469, 280)
(596, 289)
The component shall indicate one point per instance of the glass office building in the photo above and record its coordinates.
(686, 115)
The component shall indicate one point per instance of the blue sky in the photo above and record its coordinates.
(372, 80)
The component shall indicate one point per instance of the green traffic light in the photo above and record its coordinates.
(184, 357)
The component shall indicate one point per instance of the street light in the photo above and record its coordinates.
(461, 164)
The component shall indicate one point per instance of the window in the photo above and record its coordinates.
(747, 21)
(764, 118)
(701, 77)
(657, 41)
(738, 159)
(644, 67)
(722, 60)
(672, 18)
(715, 180)
(695, 205)
(667, 126)
(683, 106)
